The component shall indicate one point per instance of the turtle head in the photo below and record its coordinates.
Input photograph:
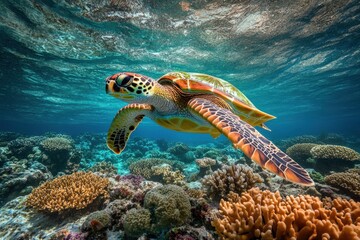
(129, 86)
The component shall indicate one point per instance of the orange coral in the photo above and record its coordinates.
(75, 191)
(260, 214)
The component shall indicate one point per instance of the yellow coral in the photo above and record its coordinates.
(260, 214)
(75, 191)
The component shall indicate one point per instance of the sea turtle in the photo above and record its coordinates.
(198, 103)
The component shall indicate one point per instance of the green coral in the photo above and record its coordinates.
(137, 222)
(316, 176)
(169, 206)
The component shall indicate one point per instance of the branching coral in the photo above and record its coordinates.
(22, 147)
(235, 178)
(260, 214)
(75, 191)
(348, 181)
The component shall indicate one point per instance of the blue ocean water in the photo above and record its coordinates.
(298, 61)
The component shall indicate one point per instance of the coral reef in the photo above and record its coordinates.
(137, 206)
(169, 206)
(265, 215)
(332, 138)
(18, 178)
(22, 147)
(348, 182)
(137, 222)
(6, 137)
(75, 191)
(235, 178)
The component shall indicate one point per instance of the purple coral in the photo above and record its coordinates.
(135, 180)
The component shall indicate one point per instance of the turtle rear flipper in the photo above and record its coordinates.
(124, 123)
(251, 142)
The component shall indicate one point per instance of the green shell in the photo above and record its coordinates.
(203, 83)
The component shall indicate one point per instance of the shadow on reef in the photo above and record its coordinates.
(59, 187)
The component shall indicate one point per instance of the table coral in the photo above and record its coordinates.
(333, 157)
(75, 191)
(334, 152)
(236, 178)
(260, 214)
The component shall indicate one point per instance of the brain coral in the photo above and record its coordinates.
(235, 178)
(334, 152)
(75, 191)
(260, 214)
(348, 181)
(169, 205)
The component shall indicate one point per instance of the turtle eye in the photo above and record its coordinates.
(123, 80)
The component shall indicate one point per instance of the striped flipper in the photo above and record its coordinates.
(124, 123)
(251, 142)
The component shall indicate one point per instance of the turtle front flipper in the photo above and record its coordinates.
(251, 142)
(124, 123)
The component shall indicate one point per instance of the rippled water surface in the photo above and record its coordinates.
(298, 60)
